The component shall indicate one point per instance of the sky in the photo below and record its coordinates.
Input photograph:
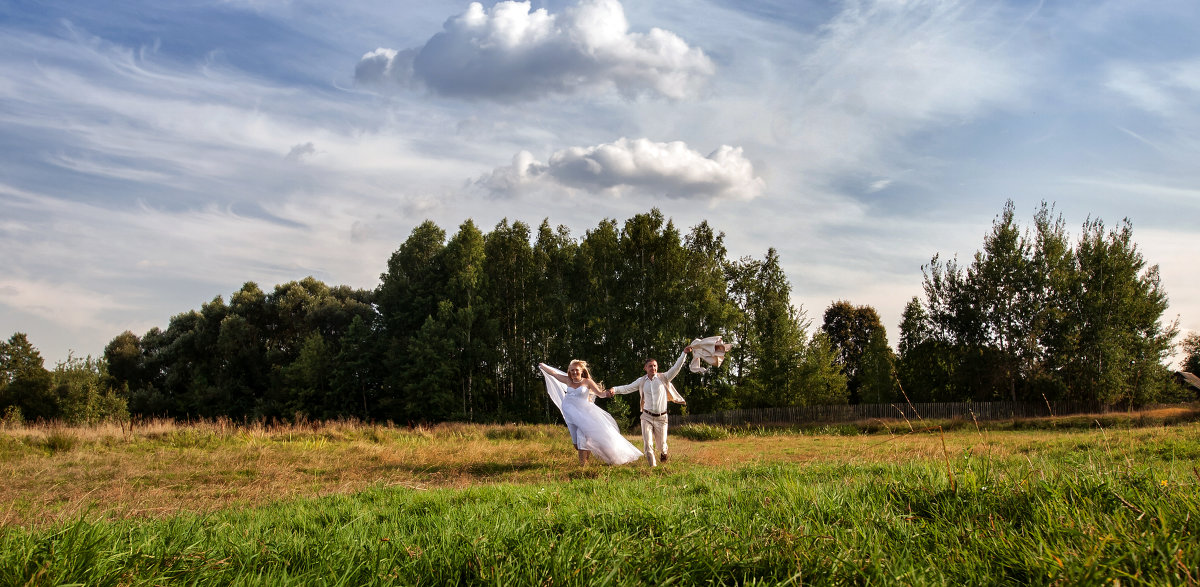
(155, 155)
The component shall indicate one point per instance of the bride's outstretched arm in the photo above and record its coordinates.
(549, 373)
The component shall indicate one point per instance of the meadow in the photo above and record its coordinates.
(1085, 500)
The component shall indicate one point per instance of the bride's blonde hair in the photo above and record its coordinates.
(584, 372)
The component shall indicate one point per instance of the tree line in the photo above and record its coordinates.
(1037, 316)
(457, 324)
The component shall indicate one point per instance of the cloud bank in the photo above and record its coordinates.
(670, 169)
(514, 52)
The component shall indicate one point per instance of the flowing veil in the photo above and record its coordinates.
(556, 388)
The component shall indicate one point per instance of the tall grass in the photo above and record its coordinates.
(1080, 507)
(782, 523)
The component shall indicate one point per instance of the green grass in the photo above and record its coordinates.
(1085, 514)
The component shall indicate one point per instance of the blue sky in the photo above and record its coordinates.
(154, 155)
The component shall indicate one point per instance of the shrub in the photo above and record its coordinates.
(12, 417)
(514, 432)
(702, 432)
(59, 441)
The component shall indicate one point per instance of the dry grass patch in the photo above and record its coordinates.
(155, 469)
(162, 468)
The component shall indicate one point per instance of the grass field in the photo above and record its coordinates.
(1086, 500)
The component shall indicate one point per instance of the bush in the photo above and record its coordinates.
(12, 417)
(702, 432)
(514, 432)
(59, 441)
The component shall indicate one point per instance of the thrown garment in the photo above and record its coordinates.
(711, 350)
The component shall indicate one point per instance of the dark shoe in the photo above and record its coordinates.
(663, 457)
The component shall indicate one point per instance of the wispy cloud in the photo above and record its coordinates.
(881, 71)
(1168, 90)
(156, 155)
(514, 52)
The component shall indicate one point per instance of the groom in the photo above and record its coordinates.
(655, 389)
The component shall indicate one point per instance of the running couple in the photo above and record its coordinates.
(593, 430)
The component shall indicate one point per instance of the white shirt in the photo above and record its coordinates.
(655, 392)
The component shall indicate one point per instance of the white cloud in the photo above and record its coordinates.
(514, 52)
(669, 169)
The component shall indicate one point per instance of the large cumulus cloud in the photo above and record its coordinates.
(513, 52)
(670, 169)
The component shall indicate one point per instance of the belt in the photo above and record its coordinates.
(653, 414)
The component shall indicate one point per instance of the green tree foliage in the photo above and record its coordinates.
(1115, 336)
(406, 297)
(1191, 350)
(824, 381)
(1033, 318)
(877, 371)
(774, 363)
(465, 319)
(850, 330)
(251, 358)
(926, 364)
(123, 357)
(25, 384)
(456, 326)
(509, 287)
(84, 395)
(357, 373)
(77, 391)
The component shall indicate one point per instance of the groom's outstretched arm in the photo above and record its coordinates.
(674, 370)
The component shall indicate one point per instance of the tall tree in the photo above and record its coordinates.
(555, 317)
(597, 328)
(778, 339)
(24, 381)
(926, 365)
(708, 310)
(741, 275)
(999, 284)
(509, 275)
(357, 377)
(650, 285)
(850, 329)
(246, 333)
(409, 291)
(463, 259)
(1119, 342)
(824, 382)
(407, 296)
(877, 371)
(432, 367)
(123, 355)
(1191, 350)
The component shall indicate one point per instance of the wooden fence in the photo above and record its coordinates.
(851, 413)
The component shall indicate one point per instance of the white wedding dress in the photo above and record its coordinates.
(591, 427)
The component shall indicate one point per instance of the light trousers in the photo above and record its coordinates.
(654, 434)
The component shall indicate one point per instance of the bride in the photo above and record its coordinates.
(592, 429)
